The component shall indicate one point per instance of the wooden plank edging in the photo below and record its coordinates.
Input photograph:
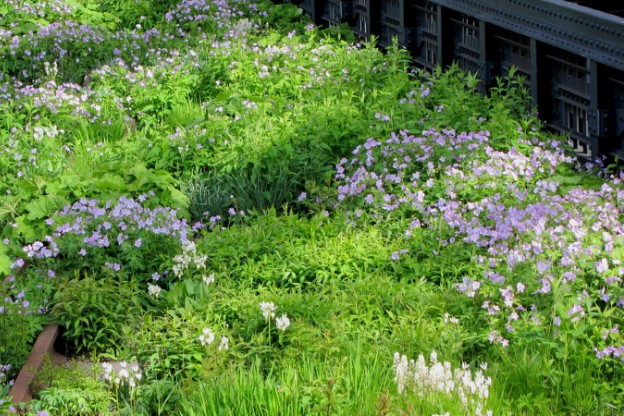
(21, 390)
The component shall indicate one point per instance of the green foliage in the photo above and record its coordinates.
(158, 398)
(143, 12)
(24, 299)
(93, 311)
(5, 402)
(228, 117)
(357, 384)
(292, 251)
(167, 347)
(286, 17)
(28, 19)
(71, 390)
(208, 197)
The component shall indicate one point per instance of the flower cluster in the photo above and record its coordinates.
(4, 370)
(207, 337)
(126, 375)
(268, 311)
(472, 390)
(189, 256)
(153, 290)
(39, 9)
(222, 13)
(509, 207)
(110, 234)
(208, 280)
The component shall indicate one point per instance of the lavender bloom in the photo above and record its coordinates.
(576, 312)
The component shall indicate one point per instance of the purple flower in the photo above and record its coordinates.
(542, 267)
(468, 287)
(546, 288)
(18, 263)
(508, 295)
(138, 242)
(576, 312)
(602, 266)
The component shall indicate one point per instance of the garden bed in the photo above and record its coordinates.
(297, 224)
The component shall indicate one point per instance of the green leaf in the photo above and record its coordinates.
(110, 182)
(10, 208)
(181, 201)
(5, 265)
(24, 229)
(44, 206)
(579, 331)
(567, 180)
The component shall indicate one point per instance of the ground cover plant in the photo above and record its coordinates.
(231, 211)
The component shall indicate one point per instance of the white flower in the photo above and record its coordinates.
(268, 309)
(282, 322)
(450, 319)
(53, 132)
(440, 379)
(224, 345)
(153, 290)
(108, 369)
(131, 375)
(38, 133)
(189, 255)
(207, 337)
(209, 279)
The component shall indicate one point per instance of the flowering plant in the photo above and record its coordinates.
(469, 391)
(101, 237)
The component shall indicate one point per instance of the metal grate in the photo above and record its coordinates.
(570, 72)
(311, 8)
(392, 9)
(468, 54)
(427, 51)
(390, 31)
(337, 11)
(362, 17)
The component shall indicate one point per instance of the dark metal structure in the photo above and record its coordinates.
(571, 52)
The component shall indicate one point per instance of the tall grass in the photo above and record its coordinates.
(357, 384)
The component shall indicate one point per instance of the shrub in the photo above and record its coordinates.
(93, 311)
